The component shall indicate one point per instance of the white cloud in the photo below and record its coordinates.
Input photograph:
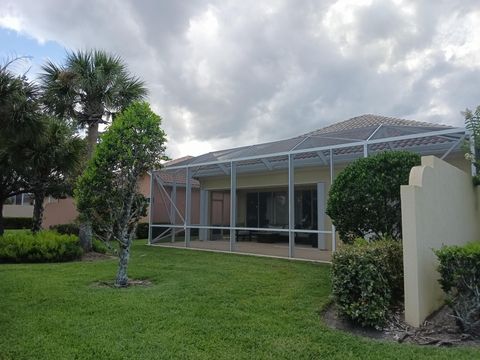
(229, 73)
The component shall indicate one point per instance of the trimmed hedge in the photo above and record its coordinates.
(66, 229)
(73, 229)
(364, 199)
(367, 280)
(460, 278)
(45, 246)
(17, 223)
(142, 231)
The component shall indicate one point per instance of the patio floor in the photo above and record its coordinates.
(301, 252)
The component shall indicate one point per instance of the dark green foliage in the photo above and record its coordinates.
(364, 199)
(460, 278)
(17, 223)
(45, 246)
(367, 280)
(19, 127)
(142, 231)
(66, 229)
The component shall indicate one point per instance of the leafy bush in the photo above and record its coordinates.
(367, 280)
(45, 246)
(99, 246)
(364, 199)
(66, 229)
(460, 279)
(17, 223)
(73, 229)
(142, 231)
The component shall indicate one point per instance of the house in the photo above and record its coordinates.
(277, 191)
(63, 211)
(19, 206)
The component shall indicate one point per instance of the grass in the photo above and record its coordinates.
(201, 306)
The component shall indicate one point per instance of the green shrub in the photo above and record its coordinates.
(364, 199)
(142, 231)
(17, 223)
(66, 229)
(99, 246)
(460, 278)
(45, 246)
(367, 280)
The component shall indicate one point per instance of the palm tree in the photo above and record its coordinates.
(19, 122)
(56, 156)
(90, 88)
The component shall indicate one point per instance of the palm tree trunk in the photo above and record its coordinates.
(92, 135)
(86, 231)
(1, 218)
(38, 211)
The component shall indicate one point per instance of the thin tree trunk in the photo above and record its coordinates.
(38, 211)
(86, 231)
(1, 218)
(122, 277)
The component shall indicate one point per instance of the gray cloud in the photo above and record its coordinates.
(228, 73)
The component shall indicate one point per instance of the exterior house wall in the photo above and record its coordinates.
(63, 211)
(60, 211)
(273, 180)
(440, 206)
(18, 211)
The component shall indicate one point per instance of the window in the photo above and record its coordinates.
(270, 209)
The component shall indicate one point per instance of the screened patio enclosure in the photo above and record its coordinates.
(269, 199)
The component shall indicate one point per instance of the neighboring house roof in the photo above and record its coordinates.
(346, 138)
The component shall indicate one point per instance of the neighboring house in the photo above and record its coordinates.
(63, 211)
(281, 187)
(18, 206)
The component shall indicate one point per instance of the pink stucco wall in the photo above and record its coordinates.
(63, 211)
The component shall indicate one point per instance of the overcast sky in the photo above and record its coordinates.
(229, 73)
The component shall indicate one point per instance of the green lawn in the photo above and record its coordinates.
(201, 306)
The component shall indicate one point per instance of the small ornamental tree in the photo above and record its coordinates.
(107, 194)
(364, 199)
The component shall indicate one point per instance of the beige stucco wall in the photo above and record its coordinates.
(273, 180)
(17, 211)
(440, 206)
(60, 211)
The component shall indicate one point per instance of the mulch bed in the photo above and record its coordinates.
(95, 256)
(131, 282)
(440, 329)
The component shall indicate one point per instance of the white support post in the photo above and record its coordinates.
(291, 207)
(203, 214)
(365, 150)
(173, 197)
(150, 210)
(188, 205)
(321, 215)
(233, 204)
(334, 235)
